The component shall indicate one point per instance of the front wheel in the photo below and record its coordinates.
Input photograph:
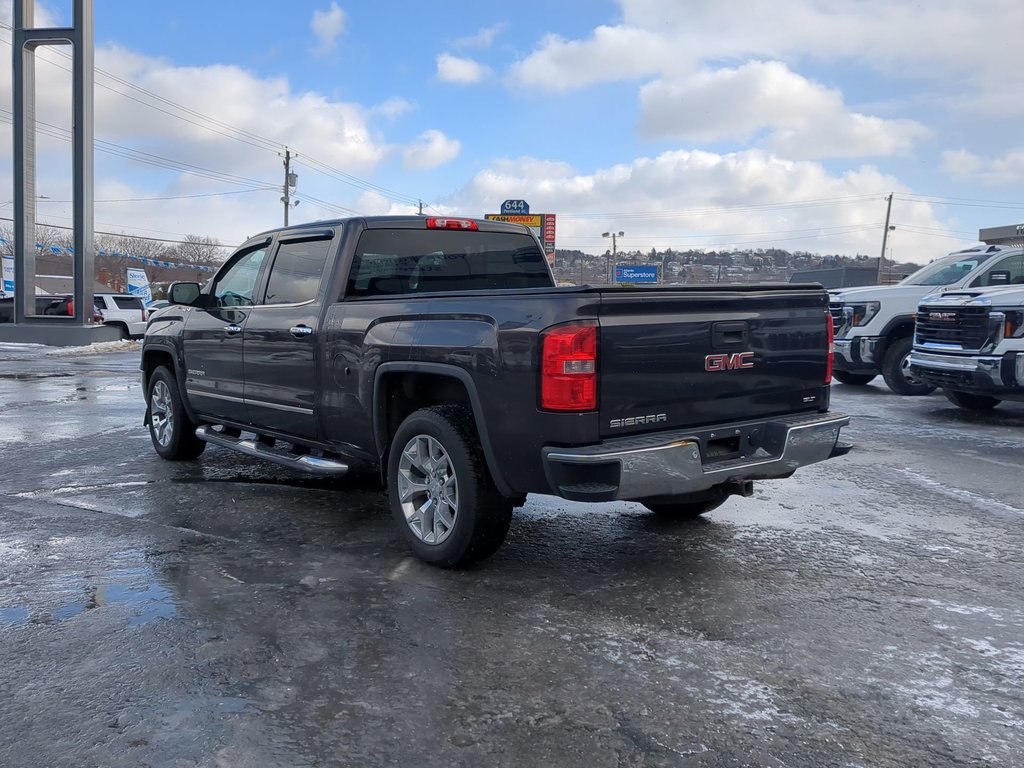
(971, 402)
(852, 379)
(441, 493)
(173, 433)
(896, 370)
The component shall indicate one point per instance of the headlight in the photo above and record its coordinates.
(862, 313)
(1014, 328)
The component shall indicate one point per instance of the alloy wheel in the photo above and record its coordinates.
(428, 489)
(161, 414)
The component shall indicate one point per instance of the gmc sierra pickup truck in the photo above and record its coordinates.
(971, 344)
(440, 353)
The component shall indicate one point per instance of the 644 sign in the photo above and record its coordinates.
(515, 206)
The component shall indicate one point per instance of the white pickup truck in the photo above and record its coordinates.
(971, 344)
(875, 323)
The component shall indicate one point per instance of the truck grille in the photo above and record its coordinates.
(836, 310)
(965, 327)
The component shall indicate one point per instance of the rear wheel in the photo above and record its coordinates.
(852, 379)
(971, 402)
(896, 370)
(441, 493)
(684, 510)
(173, 433)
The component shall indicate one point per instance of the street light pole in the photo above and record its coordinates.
(613, 236)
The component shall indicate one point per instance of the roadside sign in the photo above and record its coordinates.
(515, 206)
(636, 273)
(542, 225)
(7, 285)
(138, 284)
(527, 221)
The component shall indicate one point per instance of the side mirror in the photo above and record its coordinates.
(183, 293)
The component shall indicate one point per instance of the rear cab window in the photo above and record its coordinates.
(412, 261)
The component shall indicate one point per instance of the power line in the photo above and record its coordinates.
(238, 134)
(218, 244)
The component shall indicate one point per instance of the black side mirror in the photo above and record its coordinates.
(184, 293)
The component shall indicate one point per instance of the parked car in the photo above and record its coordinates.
(123, 311)
(875, 324)
(440, 352)
(971, 344)
(43, 302)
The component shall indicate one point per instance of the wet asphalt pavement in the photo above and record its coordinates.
(224, 612)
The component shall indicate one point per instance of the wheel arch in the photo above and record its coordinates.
(401, 388)
(152, 358)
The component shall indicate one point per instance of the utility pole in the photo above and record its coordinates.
(613, 236)
(421, 207)
(885, 237)
(290, 180)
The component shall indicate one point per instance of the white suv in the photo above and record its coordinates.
(124, 311)
(875, 323)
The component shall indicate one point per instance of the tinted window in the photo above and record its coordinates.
(295, 275)
(234, 288)
(128, 302)
(392, 261)
(1009, 271)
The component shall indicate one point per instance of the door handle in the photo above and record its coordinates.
(299, 331)
(232, 329)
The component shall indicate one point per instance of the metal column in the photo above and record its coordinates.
(26, 39)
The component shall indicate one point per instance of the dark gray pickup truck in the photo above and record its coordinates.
(440, 352)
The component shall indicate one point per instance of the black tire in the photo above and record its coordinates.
(853, 379)
(123, 329)
(684, 510)
(897, 373)
(436, 457)
(172, 432)
(971, 402)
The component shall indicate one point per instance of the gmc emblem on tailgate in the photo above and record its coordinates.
(729, 362)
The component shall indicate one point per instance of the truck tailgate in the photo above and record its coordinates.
(686, 357)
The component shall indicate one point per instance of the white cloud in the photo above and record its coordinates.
(430, 150)
(456, 69)
(612, 54)
(482, 39)
(704, 199)
(1008, 169)
(328, 26)
(393, 108)
(240, 106)
(804, 119)
(893, 38)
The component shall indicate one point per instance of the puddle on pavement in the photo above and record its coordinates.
(31, 376)
(133, 588)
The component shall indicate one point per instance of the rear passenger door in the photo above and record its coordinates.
(279, 349)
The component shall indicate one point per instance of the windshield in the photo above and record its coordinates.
(945, 271)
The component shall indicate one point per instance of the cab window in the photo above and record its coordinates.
(1008, 271)
(296, 271)
(235, 287)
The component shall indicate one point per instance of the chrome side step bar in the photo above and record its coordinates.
(316, 465)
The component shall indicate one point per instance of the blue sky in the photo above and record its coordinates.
(697, 124)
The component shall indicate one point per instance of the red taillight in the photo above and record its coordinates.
(71, 309)
(143, 315)
(451, 224)
(568, 379)
(831, 346)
